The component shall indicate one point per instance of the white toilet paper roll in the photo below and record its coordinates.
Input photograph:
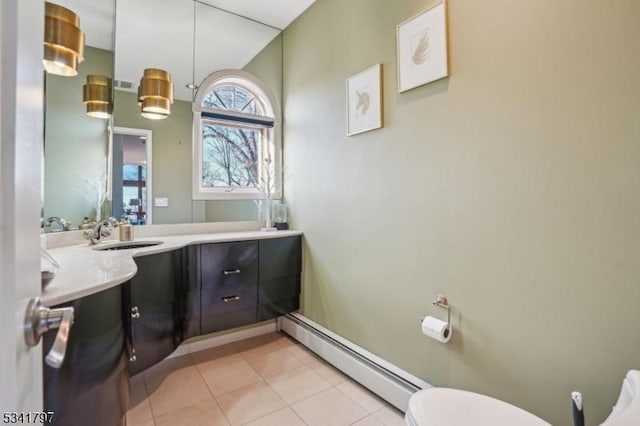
(436, 329)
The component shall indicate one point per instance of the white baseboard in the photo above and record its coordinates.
(376, 374)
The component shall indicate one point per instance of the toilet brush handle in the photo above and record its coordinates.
(576, 405)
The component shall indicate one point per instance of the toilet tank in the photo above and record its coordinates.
(626, 412)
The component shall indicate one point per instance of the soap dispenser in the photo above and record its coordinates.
(126, 230)
(85, 224)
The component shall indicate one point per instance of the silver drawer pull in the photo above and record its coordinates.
(231, 271)
(230, 298)
(135, 312)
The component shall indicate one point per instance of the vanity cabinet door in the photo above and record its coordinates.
(279, 285)
(155, 308)
(92, 386)
(229, 278)
(191, 293)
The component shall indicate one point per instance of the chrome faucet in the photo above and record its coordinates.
(63, 225)
(101, 229)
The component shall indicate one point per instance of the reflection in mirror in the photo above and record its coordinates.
(222, 40)
(75, 144)
(149, 33)
(131, 175)
(266, 65)
(75, 151)
(171, 156)
(226, 41)
(249, 46)
(155, 34)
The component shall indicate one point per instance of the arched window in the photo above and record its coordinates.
(236, 138)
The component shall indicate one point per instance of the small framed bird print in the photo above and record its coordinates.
(422, 48)
(364, 101)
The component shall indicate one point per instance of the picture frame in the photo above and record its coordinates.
(364, 101)
(422, 48)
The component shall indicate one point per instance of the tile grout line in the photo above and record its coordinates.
(264, 379)
(282, 344)
(356, 402)
(264, 415)
(209, 389)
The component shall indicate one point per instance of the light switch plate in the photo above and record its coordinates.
(161, 202)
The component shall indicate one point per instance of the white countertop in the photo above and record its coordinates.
(84, 271)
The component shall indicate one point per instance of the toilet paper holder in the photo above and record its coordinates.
(442, 302)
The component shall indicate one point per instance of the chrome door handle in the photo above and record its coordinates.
(39, 320)
(230, 298)
(231, 271)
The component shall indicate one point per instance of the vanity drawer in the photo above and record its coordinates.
(217, 300)
(229, 309)
(229, 264)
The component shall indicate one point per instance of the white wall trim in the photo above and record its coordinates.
(376, 374)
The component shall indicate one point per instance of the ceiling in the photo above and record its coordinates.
(276, 13)
(98, 16)
(96, 20)
(161, 34)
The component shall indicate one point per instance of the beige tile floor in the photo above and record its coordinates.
(268, 380)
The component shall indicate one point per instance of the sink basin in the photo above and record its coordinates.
(125, 245)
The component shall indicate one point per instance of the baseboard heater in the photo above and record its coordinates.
(379, 376)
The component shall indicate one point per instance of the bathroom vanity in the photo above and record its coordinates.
(188, 286)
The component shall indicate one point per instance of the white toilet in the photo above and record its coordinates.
(626, 412)
(453, 407)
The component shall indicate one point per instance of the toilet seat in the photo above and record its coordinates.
(627, 410)
(454, 407)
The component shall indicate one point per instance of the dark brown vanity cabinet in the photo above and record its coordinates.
(92, 385)
(280, 266)
(173, 296)
(191, 293)
(155, 307)
(229, 285)
(248, 281)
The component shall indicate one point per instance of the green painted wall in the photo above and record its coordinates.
(511, 187)
(228, 211)
(75, 144)
(267, 66)
(170, 152)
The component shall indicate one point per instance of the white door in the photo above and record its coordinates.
(21, 127)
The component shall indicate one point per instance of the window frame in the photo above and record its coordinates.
(272, 139)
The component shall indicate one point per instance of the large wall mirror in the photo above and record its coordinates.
(189, 39)
(76, 145)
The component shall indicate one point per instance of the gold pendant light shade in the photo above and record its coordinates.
(63, 41)
(97, 95)
(155, 94)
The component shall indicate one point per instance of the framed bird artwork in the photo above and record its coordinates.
(422, 48)
(364, 101)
